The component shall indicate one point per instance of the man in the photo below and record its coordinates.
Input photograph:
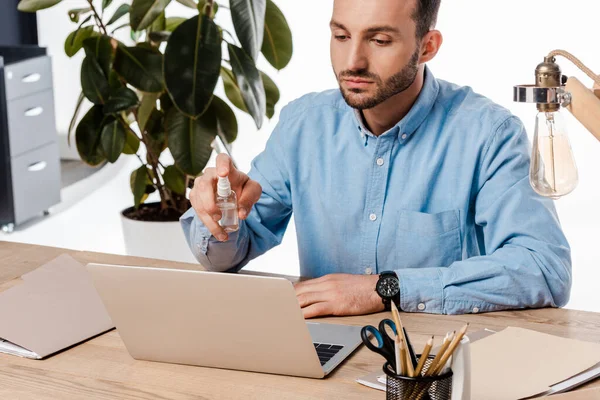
(395, 171)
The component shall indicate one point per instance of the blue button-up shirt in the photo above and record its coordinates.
(442, 198)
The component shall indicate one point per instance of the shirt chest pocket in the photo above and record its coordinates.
(427, 240)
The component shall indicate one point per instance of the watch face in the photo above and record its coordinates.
(388, 287)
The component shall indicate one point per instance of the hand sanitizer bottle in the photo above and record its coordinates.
(227, 203)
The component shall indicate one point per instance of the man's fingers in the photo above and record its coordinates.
(308, 298)
(313, 285)
(317, 310)
(250, 195)
(214, 227)
(224, 165)
(206, 196)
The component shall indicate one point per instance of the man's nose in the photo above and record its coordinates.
(357, 59)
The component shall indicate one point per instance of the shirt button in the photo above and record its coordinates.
(421, 306)
(380, 161)
(372, 217)
(368, 270)
(404, 136)
(475, 310)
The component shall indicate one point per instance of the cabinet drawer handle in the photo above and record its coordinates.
(31, 78)
(38, 166)
(34, 112)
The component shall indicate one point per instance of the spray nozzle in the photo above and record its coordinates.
(223, 187)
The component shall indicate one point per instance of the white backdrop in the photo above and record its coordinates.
(489, 45)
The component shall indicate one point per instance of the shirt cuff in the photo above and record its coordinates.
(421, 290)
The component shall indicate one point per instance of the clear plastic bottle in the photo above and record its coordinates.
(227, 203)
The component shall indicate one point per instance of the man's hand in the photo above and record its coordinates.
(203, 194)
(339, 295)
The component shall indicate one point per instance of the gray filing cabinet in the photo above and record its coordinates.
(29, 157)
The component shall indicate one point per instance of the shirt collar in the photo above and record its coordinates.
(417, 114)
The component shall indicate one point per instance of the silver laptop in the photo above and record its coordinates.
(231, 321)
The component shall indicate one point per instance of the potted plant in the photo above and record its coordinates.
(155, 96)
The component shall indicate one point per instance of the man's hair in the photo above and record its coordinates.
(425, 16)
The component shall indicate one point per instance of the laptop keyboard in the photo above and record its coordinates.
(326, 351)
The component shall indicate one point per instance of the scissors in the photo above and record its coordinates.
(385, 343)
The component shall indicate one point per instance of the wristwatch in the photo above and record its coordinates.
(388, 288)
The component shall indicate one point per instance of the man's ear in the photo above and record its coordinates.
(430, 45)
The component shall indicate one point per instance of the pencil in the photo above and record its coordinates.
(455, 342)
(439, 355)
(402, 347)
(410, 370)
(424, 356)
(399, 369)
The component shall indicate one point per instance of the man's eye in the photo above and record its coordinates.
(341, 37)
(380, 42)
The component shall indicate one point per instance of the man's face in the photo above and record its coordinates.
(374, 50)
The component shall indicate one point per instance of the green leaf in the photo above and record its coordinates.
(190, 141)
(159, 24)
(74, 41)
(141, 67)
(139, 182)
(106, 3)
(147, 106)
(121, 11)
(155, 133)
(227, 126)
(113, 140)
(93, 81)
(132, 142)
(144, 12)
(174, 179)
(75, 14)
(202, 5)
(120, 27)
(135, 35)
(249, 22)
(277, 44)
(121, 100)
(36, 5)
(101, 49)
(159, 37)
(165, 102)
(232, 90)
(272, 94)
(74, 118)
(192, 64)
(173, 22)
(188, 3)
(249, 82)
(88, 134)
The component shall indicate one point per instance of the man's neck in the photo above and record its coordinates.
(384, 116)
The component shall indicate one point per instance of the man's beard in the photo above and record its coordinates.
(391, 87)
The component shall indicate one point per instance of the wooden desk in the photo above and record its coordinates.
(102, 369)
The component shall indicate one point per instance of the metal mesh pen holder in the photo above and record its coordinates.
(420, 388)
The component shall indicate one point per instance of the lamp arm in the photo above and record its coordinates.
(584, 106)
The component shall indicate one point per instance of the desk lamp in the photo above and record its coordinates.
(553, 172)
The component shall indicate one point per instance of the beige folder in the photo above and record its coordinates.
(54, 307)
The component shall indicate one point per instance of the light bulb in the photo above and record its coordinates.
(553, 172)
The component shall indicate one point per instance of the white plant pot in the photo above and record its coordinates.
(161, 240)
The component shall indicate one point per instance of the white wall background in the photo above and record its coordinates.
(489, 45)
